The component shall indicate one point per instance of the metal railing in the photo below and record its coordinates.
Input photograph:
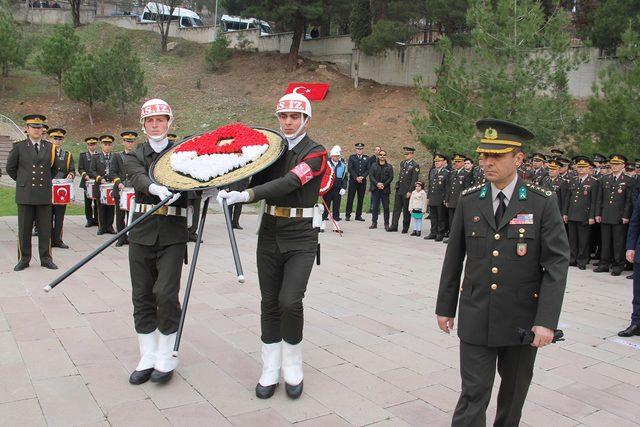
(10, 129)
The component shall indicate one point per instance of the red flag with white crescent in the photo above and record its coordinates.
(312, 90)
(61, 194)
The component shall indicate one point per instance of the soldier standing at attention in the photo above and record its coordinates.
(63, 167)
(538, 171)
(436, 191)
(30, 164)
(406, 183)
(287, 244)
(513, 238)
(358, 166)
(579, 211)
(84, 166)
(122, 180)
(459, 180)
(103, 170)
(613, 212)
(555, 182)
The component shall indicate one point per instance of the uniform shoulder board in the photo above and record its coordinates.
(542, 191)
(473, 189)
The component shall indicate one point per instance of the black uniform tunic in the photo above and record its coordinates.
(614, 203)
(357, 166)
(103, 166)
(579, 206)
(63, 166)
(408, 175)
(90, 205)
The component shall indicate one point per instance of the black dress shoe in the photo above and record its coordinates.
(616, 272)
(359, 218)
(119, 244)
(100, 232)
(439, 238)
(294, 391)
(405, 231)
(601, 269)
(347, 218)
(373, 226)
(413, 233)
(337, 218)
(89, 224)
(21, 265)
(47, 263)
(573, 264)
(582, 267)
(60, 245)
(140, 377)
(392, 229)
(630, 277)
(161, 377)
(430, 237)
(386, 228)
(630, 331)
(237, 227)
(111, 231)
(418, 233)
(265, 391)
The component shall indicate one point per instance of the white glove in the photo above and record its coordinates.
(232, 197)
(211, 192)
(160, 191)
(342, 191)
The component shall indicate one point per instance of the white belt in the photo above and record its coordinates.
(164, 210)
(286, 212)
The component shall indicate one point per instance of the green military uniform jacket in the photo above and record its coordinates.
(32, 171)
(63, 164)
(165, 230)
(615, 199)
(289, 183)
(581, 199)
(458, 181)
(516, 272)
(84, 166)
(407, 177)
(437, 187)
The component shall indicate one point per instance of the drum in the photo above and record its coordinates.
(62, 191)
(126, 196)
(106, 194)
(90, 183)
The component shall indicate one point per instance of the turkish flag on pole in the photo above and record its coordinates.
(313, 91)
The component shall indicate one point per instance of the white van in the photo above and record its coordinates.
(186, 18)
(236, 23)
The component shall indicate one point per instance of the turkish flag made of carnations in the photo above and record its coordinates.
(313, 91)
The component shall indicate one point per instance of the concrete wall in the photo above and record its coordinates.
(198, 35)
(52, 16)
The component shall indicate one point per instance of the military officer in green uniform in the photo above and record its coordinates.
(103, 170)
(436, 192)
(30, 164)
(613, 212)
(122, 180)
(513, 238)
(358, 167)
(407, 177)
(579, 211)
(157, 248)
(63, 167)
(84, 167)
(459, 180)
(538, 171)
(287, 244)
(554, 181)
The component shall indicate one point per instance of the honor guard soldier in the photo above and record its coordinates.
(157, 248)
(358, 168)
(103, 170)
(579, 211)
(613, 212)
(333, 197)
(84, 167)
(406, 183)
(122, 180)
(30, 164)
(436, 192)
(459, 180)
(517, 259)
(63, 167)
(287, 244)
(538, 172)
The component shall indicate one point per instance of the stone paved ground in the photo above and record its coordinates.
(373, 354)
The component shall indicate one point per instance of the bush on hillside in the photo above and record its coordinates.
(218, 54)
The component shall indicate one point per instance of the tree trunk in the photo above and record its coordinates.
(75, 12)
(91, 112)
(59, 79)
(295, 43)
(124, 115)
(356, 77)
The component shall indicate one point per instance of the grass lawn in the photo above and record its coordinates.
(8, 205)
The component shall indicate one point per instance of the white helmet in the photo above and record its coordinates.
(335, 151)
(155, 107)
(294, 103)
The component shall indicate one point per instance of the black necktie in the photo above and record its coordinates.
(35, 145)
(501, 208)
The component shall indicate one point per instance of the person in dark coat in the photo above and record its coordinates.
(381, 176)
(358, 168)
(122, 180)
(84, 167)
(436, 193)
(516, 251)
(633, 256)
(30, 164)
(459, 180)
(64, 167)
(405, 185)
(103, 170)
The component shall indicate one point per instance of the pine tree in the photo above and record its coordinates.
(359, 27)
(86, 82)
(12, 51)
(59, 53)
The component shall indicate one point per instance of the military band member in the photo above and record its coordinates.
(63, 167)
(405, 184)
(156, 251)
(30, 164)
(358, 168)
(333, 197)
(84, 166)
(459, 180)
(613, 212)
(516, 249)
(287, 244)
(103, 170)
(436, 192)
(538, 172)
(122, 180)
(579, 211)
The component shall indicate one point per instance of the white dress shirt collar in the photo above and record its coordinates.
(507, 191)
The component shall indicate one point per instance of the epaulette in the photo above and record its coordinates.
(473, 189)
(542, 191)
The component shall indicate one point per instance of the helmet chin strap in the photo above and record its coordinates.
(298, 132)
